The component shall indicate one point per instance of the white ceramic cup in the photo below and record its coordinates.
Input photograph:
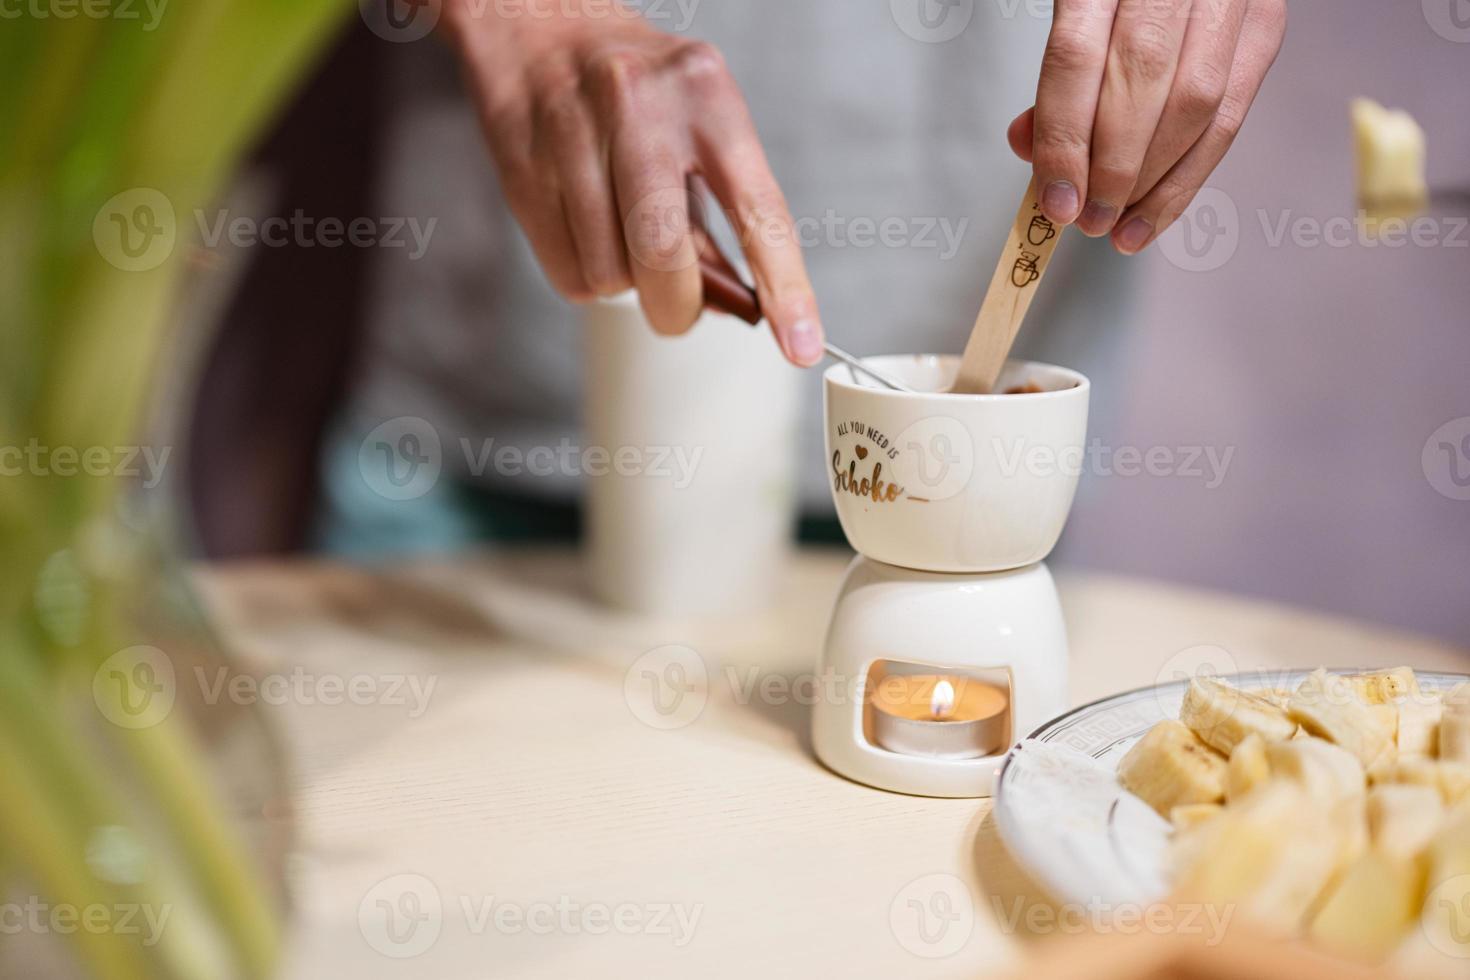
(954, 483)
(702, 518)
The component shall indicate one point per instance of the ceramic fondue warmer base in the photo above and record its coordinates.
(952, 501)
(959, 625)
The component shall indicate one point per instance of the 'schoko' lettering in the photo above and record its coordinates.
(847, 481)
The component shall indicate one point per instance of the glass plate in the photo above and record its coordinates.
(1065, 817)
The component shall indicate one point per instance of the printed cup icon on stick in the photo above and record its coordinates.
(1041, 230)
(1026, 270)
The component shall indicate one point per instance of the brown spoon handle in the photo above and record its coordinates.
(725, 293)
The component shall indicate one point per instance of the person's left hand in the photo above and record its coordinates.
(1137, 104)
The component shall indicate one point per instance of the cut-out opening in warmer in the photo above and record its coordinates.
(937, 712)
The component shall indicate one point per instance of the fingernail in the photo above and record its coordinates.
(1132, 236)
(1097, 219)
(804, 342)
(1059, 201)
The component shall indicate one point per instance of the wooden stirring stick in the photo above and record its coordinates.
(1028, 251)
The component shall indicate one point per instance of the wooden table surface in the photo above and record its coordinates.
(478, 797)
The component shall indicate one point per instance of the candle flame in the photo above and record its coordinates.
(941, 705)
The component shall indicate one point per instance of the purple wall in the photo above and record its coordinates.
(1326, 368)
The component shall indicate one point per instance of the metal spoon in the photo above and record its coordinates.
(726, 293)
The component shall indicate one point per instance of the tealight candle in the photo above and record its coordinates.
(939, 716)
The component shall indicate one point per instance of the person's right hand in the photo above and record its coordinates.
(596, 124)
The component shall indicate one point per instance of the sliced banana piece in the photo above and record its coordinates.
(1451, 779)
(1191, 815)
(1454, 736)
(1454, 782)
(1328, 773)
(1333, 784)
(1385, 687)
(1372, 907)
(1271, 856)
(1418, 725)
(1403, 817)
(1423, 958)
(1171, 767)
(1223, 716)
(1415, 770)
(1275, 695)
(1249, 768)
(1328, 706)
(1348, 816)
(1454, 726)
(1388, 720)
(1390, 147)
(1446, 918)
